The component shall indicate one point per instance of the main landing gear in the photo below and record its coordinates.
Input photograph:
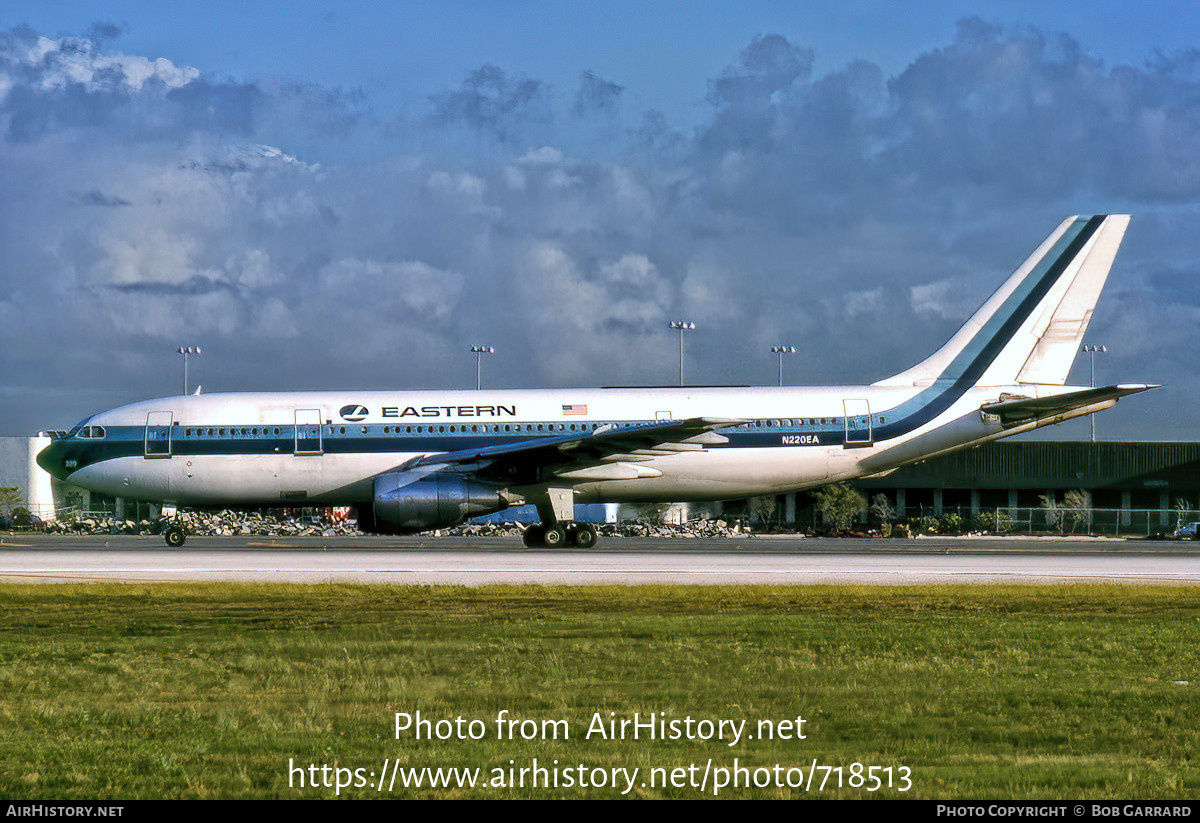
(554, 535)
(557, 529)
(175, 536)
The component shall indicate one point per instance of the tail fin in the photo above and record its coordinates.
(1030, 330)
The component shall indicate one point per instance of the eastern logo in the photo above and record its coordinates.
(353, 412)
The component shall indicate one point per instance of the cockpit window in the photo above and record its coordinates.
(91, 432)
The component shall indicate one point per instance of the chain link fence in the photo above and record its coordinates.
(1065, 520)
(1100, 522)
(1057, 520)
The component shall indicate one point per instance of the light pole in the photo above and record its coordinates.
(480, 351)
(1092, 350)
(781, 351)
(185, 351)
(682, 325)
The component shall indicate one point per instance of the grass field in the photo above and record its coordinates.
(131, 691)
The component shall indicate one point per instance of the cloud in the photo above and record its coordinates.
(491, 101)
(596, 96)
(99, 198)
(103, 30)
(307, 240)
(768, 65)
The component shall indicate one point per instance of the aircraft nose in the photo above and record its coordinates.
(53, 460)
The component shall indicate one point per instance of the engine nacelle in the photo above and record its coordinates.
(436, 501)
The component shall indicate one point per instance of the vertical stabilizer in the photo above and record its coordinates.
(1030, 329)
(1058, 332)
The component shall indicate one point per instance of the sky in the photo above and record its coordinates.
(350, 195)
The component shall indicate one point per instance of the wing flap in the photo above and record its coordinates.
(562, 455)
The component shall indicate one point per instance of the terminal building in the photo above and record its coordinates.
(1014, 473)
(1142, 477)
(48, 497)
(1163, 478)
(31, 487)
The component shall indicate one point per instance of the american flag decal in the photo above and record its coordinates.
(575, 408)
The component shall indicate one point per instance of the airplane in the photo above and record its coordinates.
(411, 461)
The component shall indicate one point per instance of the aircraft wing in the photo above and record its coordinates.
(578, 455)
(1017, 410)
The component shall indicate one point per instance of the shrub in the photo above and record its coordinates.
(840, 505)
(950, 523)
(994, 522)
(882, 510)
(927, 524)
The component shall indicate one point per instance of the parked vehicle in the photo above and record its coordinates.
(24, 520)
(1187, 530)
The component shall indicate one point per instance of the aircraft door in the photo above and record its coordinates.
(858, 430)
(158, 434)
(308, 432)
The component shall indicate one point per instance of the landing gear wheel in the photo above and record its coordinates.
(175, 536)
(533, 537)
(555, 536)
(584, 535)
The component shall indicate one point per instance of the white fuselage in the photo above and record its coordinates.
(325, 448)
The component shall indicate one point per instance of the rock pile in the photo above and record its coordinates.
(637, 528)
(226, 523)
(230, 523)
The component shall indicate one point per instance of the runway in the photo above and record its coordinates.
(483, 561)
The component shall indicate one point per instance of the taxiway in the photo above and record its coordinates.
(482, 561)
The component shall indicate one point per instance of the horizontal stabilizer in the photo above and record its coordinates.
(1018, 410)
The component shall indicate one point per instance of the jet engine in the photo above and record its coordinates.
(436, 501)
